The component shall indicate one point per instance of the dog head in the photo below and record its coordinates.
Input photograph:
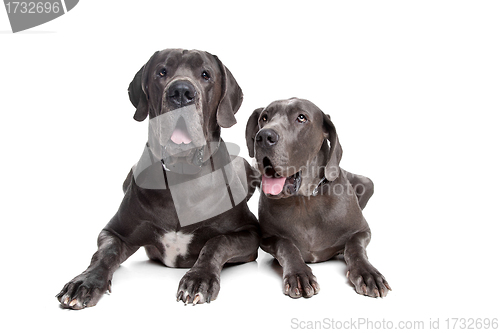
(188, 96)
(288, 138)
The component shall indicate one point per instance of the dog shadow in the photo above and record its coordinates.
(146, 268)
(278, 270)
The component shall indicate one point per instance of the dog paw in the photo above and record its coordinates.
(368, 281)
(83, 291)
(198, 286)
(300, 283)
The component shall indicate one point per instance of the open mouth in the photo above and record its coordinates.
(274, 184)
(180, 135)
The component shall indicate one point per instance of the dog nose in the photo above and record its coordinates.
(181, 93)
(267, 138)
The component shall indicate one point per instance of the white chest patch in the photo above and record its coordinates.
(175, 244)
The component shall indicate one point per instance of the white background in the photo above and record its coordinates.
(412, 86)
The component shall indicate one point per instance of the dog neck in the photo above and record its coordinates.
(151, 173)
(200, 158)
(313, 176)
(216, 188)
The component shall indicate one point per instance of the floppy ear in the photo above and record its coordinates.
(252, 129)
(332, 169)
(137, 91)
(231, 98)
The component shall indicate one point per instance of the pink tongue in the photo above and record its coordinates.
(272, 186)
(180, 136)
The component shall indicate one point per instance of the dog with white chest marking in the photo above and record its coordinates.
(186, 198)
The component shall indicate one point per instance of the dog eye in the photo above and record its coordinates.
(205, 75)
(163, 72)
(301, 118)
(263, 118)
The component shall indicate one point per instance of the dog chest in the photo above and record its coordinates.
(311, 223)
(175, 244)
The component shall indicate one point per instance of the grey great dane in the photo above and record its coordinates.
(186, 199)
(310, 210)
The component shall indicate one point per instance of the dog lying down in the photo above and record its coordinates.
(186, 199)
(309, 208)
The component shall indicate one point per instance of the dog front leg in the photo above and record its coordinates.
(366, 279)
(202, 282)
(86, 289)
(298, 279)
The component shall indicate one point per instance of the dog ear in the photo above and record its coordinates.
(332, 169)
(231, 98)
(251, 131)
(137, 91)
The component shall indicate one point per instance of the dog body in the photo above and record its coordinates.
(319, 234)
(149, 218)
(310, 209)
(184, 162)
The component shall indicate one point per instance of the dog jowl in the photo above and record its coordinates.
(310, 209)
(186, 198)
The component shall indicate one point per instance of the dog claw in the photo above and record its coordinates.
(300, 282)
(83, 291)
(179, 295)
(367, 280)
(198, 286)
